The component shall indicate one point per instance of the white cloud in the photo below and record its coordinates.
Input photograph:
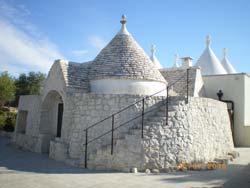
(23, 47)
(79, 52)
(97, 42)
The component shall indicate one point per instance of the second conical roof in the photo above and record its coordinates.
(226, 63)
(209, 63)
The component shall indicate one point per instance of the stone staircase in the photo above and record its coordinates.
(128, 147)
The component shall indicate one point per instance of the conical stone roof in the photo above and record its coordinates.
(226, 63)
(209, 63)
(123, 58)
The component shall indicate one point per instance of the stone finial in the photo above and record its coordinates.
(123, 30)
(224, 52)
(208, 40)
(176, 59)
(123, 21)
(153, 49)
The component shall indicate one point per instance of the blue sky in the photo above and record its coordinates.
(35, 32)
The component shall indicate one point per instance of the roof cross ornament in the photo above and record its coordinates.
(208, 40)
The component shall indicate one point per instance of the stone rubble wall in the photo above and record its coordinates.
(196, 132)
(83, 110)
(195, 87)
(26, 142)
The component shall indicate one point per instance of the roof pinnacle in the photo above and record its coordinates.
(123, 30)
(123, 21)
(176, 59)
(224, 52)
(153, 49)
(208, 40)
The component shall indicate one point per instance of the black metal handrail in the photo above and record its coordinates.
(125, 108)
(136, 117)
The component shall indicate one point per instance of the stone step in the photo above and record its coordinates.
(170, 108)
(156, 123)
(156, 118)
(163, 114)
(134, 131)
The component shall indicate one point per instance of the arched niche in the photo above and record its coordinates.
(51, 119)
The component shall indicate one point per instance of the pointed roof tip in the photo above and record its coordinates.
(154, 58)
(176, 59)
(123, 30)
(123, 21)
(224, 52)
(226, 63)
(152, 49)
(208, 40)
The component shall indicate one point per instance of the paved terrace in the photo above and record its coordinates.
(20, 169)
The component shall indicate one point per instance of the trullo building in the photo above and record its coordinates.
(121, 110)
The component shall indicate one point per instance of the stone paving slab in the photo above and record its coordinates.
(20, 169)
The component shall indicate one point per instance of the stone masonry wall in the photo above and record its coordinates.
(195, 87)
(83, 110)
(196, 132)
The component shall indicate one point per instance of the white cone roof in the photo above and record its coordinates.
(154, 58)
(226, 63)
(209, 63)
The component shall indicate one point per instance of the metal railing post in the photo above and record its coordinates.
(86, 149)
(112, 135)
(167, 107)
(142, 118)
(187, 84)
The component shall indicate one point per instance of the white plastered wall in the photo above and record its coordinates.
(234, 88)
(247, 101)
(30, 104)
(133, 87)
(199, 90)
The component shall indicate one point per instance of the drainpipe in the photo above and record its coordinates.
(230, 110)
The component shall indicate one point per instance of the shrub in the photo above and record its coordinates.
(2, 120)
(7, 120)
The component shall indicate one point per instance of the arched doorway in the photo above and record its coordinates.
(51, 119)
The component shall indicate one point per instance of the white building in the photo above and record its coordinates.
(235, 87)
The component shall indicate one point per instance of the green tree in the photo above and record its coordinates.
(28, 84)
(7, 88)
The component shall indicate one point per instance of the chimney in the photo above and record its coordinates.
(187, 62)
